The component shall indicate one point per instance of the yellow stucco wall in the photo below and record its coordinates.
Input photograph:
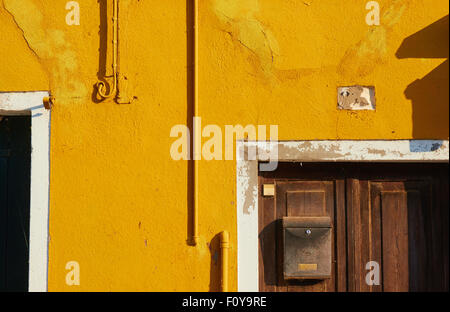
(118, 202)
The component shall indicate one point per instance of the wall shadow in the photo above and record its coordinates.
(429, 95)
(190, 78)
(214, 274)
(102, 49)
(267, 245)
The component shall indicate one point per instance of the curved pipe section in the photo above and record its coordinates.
(101, 85)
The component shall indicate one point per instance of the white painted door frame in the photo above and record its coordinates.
(31, 103)
(308, 151)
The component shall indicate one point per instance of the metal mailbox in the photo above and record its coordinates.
(307, 247)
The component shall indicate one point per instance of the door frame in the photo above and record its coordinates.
(31, 104)
(415, 151)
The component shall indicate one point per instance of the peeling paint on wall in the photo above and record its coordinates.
(356, 98)
(240, 22)
(50, 48)
(425, 146)
(362, 58)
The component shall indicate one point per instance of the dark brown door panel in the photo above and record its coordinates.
(394, 214)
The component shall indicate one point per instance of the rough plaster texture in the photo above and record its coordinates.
(118, 203)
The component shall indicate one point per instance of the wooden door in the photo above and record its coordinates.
(396, 215)
(314, 193)
(15, 151)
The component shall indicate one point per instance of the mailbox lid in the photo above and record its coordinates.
(307, 222)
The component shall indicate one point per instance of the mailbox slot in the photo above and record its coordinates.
(307, 247)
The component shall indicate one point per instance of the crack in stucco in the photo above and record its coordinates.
(55, 55)
(308, 3)
(268, 41)
(21, 30)
(239, 21)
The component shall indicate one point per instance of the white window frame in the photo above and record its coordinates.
(414, 151)
(31, 103)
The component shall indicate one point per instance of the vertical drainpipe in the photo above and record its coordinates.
(224, 236)
(224, 246)
(196, 125)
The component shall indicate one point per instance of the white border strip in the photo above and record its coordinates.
(310, 151)
(25, 103)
